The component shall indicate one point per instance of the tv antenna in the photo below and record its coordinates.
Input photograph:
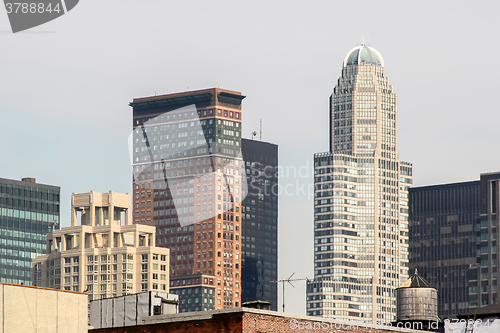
(261, 130)
(289, 280)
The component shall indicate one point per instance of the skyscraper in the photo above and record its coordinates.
(188, 183)
(28, 211)
(361, 198)
(259, 226)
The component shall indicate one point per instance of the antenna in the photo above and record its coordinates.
(254, 133)
(289, 280)
(261, 130)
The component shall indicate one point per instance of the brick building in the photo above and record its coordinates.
(188, 183)
(243, 320)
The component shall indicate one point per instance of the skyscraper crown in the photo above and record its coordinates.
(363, 55)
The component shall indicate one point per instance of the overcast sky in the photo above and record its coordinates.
(65, 88)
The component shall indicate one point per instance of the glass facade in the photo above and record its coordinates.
(259, 236)
(28, 211)
(442, 240)
(453, 242)
(483, 275)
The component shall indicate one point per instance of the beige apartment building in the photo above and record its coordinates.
(102, 252)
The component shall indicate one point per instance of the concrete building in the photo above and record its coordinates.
(259, 226)
(361, 198)
(102, 252)
(188, 183)
(26, 309)
(443, 240)
(28, 211)
(248, 320)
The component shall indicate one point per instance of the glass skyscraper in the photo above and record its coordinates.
(361, 199)
(28, 211)
(259, 226)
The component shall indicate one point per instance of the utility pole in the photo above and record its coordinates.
(289, 280)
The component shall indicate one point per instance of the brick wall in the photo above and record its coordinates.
(243, 320)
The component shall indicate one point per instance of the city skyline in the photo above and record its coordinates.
(61, 97)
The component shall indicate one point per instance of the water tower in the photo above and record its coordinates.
(417, 300)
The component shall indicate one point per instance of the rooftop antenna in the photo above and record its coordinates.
(254, 133)
(289, 280)
(369, 40)
(363, 40)
(261, 130)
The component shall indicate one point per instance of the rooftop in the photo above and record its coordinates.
(363, 55)
(416, 281)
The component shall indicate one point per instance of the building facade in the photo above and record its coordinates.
(102, 252)
(188, 183)
(443, 240)
(453, 241)
(259, 230)
(483, 276)
(28, 211)
(361, 199)
(196, 292)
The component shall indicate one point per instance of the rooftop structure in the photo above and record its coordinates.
(131, 310)
(416, 300)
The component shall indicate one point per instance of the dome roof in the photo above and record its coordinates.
(363, 55)
(416, 281)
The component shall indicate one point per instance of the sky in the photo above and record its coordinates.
(65, 88)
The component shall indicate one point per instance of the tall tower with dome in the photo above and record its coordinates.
(361, 199)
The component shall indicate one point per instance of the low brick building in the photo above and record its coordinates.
(243, 320)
